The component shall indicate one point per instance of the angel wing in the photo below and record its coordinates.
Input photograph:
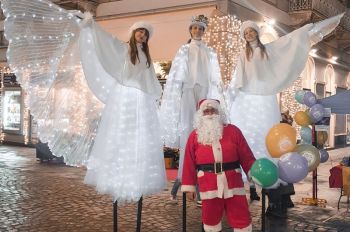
(43, 53)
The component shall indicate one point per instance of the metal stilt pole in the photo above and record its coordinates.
(115, 216)
(183, 212)
(139, 212)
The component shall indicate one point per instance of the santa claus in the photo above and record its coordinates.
(214, 155)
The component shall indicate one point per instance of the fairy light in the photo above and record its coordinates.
(223, 35)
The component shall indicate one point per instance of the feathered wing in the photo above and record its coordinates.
(43, 52)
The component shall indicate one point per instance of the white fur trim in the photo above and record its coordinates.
(246, 229)
(214, 228)
(227, 193)
(199, 24)
(188, 188)
(209, 102)
(142, 24)
(247, 24)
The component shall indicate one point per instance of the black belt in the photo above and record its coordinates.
(218, 168)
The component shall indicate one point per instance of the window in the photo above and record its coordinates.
(340, 119)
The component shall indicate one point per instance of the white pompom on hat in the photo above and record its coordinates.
(142, 24)
(247, 24)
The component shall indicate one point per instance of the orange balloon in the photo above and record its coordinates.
(322, 137)
(302, 118)
(281, 139)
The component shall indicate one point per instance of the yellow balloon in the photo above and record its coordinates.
(281, 139)
(311, 154)
(302, 118)
(322, 137)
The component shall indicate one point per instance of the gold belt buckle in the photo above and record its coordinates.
(218, 168)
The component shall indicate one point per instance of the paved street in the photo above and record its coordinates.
(49, 197)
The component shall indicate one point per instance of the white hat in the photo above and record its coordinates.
(200, 20)
(141, 24)
(247, 24)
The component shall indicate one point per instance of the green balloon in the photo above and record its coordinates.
(299, 95)
(264, 172)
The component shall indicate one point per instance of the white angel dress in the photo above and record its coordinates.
(251, 94)
(93, 106)
(194, 75)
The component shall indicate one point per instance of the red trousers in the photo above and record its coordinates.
(236, 209)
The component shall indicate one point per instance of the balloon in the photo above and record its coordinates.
(316, 112)
(264, 172)
(302, 118)
(280, 139)
(306, 134)
(322, 137)
(292, 167)
(309, 98)
(299, 95)
(311, 153)
(323, 155)
(305, 142)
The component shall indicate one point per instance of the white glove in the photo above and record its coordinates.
(86, 16)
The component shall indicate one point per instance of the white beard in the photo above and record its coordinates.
(209, 128)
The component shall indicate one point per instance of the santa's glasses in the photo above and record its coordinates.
(210, 110)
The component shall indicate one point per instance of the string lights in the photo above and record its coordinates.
(223, 35)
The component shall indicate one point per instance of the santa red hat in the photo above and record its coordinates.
(204, 103)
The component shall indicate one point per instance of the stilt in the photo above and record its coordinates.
(115, 216)
(139, 212)
(184, 212)
(263, 210)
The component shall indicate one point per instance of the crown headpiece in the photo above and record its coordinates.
(200, 20)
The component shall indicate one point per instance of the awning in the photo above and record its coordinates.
(339, 103)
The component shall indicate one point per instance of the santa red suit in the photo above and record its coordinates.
(216, 169)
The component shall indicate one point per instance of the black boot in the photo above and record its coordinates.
(287, 201)
(276, 210)
(254, 195)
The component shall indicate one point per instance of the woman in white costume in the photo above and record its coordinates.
(194, 75)
(127, 158)
(93, 96)
(263, 71)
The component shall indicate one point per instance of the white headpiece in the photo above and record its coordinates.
(247, 24)
(200, 20)
(141, 24)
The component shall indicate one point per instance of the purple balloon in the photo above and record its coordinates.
(309, 98)
(316, 112)
(292, 167)
(323, 155)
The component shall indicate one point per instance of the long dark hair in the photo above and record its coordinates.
(134, 55)
(249, 49)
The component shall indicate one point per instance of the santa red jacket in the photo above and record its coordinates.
(232, 147)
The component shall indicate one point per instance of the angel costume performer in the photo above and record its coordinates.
(92, 105)
(256, 81)
(194, 75)
(215, 153)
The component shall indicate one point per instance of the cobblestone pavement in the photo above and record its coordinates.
(49, 197)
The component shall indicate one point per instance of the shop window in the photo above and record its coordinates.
(329, 78)
(320, 90)
(308, 74)
(340, 119)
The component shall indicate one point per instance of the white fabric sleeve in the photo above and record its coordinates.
(170, 108)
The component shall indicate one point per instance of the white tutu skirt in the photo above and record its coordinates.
(127, 158)
(254, 115)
